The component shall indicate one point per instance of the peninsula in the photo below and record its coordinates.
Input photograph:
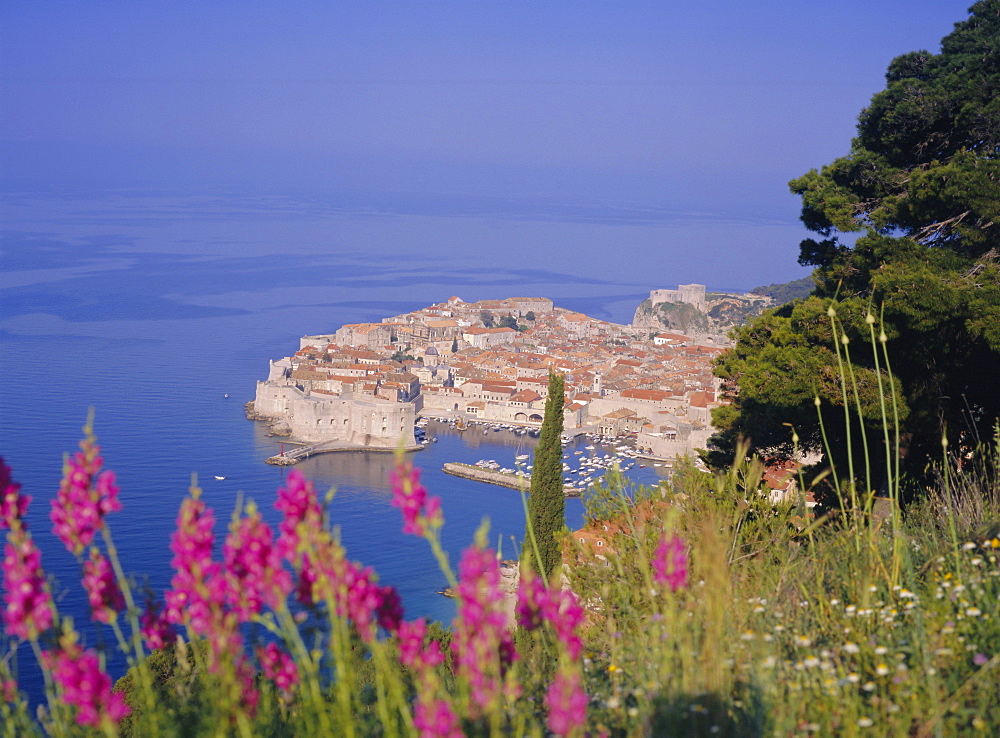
(365, 385)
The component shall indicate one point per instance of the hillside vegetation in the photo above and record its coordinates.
(913, 302)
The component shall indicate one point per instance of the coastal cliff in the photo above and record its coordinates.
(715, 314)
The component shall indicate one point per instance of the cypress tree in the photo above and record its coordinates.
(546, 501)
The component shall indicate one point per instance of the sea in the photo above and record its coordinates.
(155, 313)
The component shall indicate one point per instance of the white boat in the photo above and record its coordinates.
(218, 477)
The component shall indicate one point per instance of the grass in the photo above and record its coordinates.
(787, 624)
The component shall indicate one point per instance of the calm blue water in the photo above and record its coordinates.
(150, 309)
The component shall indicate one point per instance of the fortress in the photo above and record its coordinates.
(353, 417)
(693, 294)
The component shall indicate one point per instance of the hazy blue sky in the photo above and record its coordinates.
(699, 109)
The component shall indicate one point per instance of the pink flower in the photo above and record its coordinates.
(566, 615)
(306, 587)
(390, 610)
(531, 595)
(436, 719)
(28, 609)
(368, 604)
(86, 495)
(253, 568)
(13, 505)
(155, 628)
(567, 703)
(85, 686)
(198, 590)
(536, 604)
(249, 694)
(106, 599)
(412, 650)
(483, 648)
(670, 564)
(420, 511)
(8, 691)
(279, 667)
(303, 515)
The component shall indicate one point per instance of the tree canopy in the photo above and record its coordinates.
(921, 187)
(546, 499)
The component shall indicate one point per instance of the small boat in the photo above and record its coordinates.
(218, 477)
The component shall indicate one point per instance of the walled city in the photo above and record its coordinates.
(488, 361)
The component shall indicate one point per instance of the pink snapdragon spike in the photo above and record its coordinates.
(85, 686)
(536, 604)
(279, 667)
(303, 516)
(566, 702)
(13, 505)
(436, 719)
(421, 512)
(564, 611)
(369, 604)
(432, 715)
(249, 694)
(86, 495)
(156, 631)
(8, 691)
(670, 564)
(254, 575)
(531, 594)
(28, 606)
(483, 647)
(198, 590)
(412, 650)
(105, 597)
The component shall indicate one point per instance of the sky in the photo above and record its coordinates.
(699, 110)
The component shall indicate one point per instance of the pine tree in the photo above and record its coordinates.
(546, 501)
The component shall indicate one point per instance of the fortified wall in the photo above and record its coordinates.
(693, 294)
(348, 418)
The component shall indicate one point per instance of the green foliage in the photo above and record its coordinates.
(786, 624)
(921, 185)
(508, 321)
(785, 629)
(785, 360)
(487, 319)
(530, 316)
(787, 291)
(454, 345)
(546, 499)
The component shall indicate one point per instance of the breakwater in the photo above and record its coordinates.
(297, 454)
(513, 481)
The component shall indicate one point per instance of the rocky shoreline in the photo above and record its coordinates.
(275, 427)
